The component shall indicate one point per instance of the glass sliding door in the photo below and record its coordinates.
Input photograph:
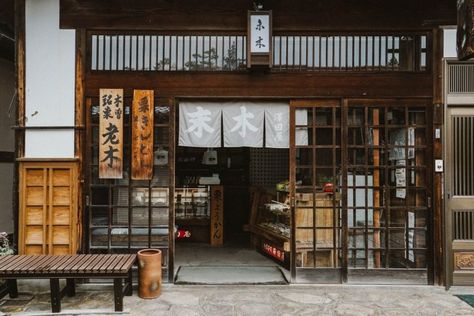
(359, 179)
(315, 181)
(387, 192)
(125, 215)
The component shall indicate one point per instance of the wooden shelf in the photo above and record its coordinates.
(271, 236)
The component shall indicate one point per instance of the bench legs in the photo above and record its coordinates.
(12, 288)
(129, 289)
(118, 295)
(55, 295)
(70, 287)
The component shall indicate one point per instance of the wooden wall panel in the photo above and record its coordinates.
(268, 85)
(231, 15)
(48, 219)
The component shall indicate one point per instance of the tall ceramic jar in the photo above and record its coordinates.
(149, 273)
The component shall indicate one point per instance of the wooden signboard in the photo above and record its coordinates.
(465, 31)
(111, 134)
(217, 215)
(259, 39)
(142, 134)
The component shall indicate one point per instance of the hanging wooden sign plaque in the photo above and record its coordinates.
(142, 134)
(111, 133)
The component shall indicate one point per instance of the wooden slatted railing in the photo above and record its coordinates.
(349, 52)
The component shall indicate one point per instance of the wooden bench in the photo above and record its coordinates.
(69, 267)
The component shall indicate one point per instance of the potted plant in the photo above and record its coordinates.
(5, 250)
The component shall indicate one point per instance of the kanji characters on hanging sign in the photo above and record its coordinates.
(243, 124)
(217, 215)
(259, 33)
(200, 124)
(277, 126)
(142, 134)
(110, 133)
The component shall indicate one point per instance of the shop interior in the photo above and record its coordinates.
(255, 227)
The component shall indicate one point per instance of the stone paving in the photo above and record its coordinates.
(256, 300)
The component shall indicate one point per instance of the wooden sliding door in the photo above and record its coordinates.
(48, 221)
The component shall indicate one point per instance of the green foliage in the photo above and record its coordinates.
(5, 248)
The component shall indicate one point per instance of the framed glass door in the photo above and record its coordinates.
(125, 215)
(315, 190)
(360, 191)
(388, 215)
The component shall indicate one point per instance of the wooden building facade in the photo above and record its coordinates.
(368, 75)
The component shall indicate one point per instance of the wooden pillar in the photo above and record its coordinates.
(376, 184)
(20, 106)
(437, 153)
(172, 182)
(79, 135)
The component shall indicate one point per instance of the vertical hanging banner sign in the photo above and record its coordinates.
(217, 215)
(243, 124)
(142, 134)
(277, 125)
(111, 134)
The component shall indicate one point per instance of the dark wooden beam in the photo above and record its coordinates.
(170, 84)
(192, 15)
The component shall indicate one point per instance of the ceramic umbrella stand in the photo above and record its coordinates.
(149, 273)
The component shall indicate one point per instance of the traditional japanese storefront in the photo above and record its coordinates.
(360, 91)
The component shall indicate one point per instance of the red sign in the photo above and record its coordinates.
(274, 252)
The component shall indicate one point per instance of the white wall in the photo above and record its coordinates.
(449, 35)
(50, 75)
(7, 143)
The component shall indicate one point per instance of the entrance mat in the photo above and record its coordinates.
(232, 275)
(467, 298)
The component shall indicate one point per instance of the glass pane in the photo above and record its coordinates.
(160, 217)
(120, 216)
(99, 216)
(140, 216)
(162, 114)
(324, 117)
(355, 116)
(396, 116)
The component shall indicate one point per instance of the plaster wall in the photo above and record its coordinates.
(50, 75)
(7, 143)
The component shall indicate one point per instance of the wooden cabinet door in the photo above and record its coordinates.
(48, 219)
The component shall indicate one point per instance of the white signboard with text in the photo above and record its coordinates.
(259, 33)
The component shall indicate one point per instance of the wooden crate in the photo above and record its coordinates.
(48, 218)
(325, 216)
